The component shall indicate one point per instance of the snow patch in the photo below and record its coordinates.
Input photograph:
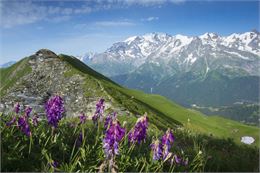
(130, 39)
(190, 58)
(237, 54)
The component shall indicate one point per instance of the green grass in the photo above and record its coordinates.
(215, 125)
(9, 76)
(164, 113)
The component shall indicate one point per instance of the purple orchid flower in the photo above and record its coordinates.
(167, 141)
(139, 132)
(109, 119)
(99, 111)
(11, 122)
(156, 149)
(17, 108)
(82, 118)
(28, 110)
(177, 159)
(24, 125)
(54, 109)
(113, 136)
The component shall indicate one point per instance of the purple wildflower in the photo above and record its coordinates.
(167, 140)
(99, 110)
(177, 159)
(11, 122)
(24, 125)
(35, 120)
(185, 162)
(82, 118)
(113, 136)
(79, 139)
(139, 132)
(109, 119)
(54, 109)
(28, 110)
(157, 149)
(17, 108)
(54, 164)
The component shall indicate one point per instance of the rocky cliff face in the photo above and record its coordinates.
(50, 75)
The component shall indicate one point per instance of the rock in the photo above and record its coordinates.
(45, 53)
(48, 78)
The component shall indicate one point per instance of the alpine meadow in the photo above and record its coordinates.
(129, 86)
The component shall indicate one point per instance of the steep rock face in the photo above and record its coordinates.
(51, 75)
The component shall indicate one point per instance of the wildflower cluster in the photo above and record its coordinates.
(113, 136)
(54, 109)
(22, 121)
(114, 133)
(161, 149)
(139, 132)
(24, 125)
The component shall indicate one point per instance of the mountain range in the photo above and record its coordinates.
(206, 70)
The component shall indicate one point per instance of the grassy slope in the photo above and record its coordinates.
(9, 76)
(170, 113)
(163, 112)
(215, 125)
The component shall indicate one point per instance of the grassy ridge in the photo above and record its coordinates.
(9, 76)
(169, 113)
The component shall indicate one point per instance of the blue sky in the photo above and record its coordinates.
(77, 27)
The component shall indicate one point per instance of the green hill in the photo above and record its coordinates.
(162, 112)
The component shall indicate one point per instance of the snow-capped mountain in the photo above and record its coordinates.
(205, 70)
(180, 53)
(87, 57)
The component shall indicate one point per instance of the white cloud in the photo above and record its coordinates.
(149, 19)
(15, 13)
(113, 23)
(20, 12)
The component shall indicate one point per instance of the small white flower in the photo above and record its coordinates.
(200, 152)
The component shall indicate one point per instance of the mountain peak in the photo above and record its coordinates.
(46, 53)
(209, 35)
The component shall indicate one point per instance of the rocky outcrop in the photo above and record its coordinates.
(50, 75)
